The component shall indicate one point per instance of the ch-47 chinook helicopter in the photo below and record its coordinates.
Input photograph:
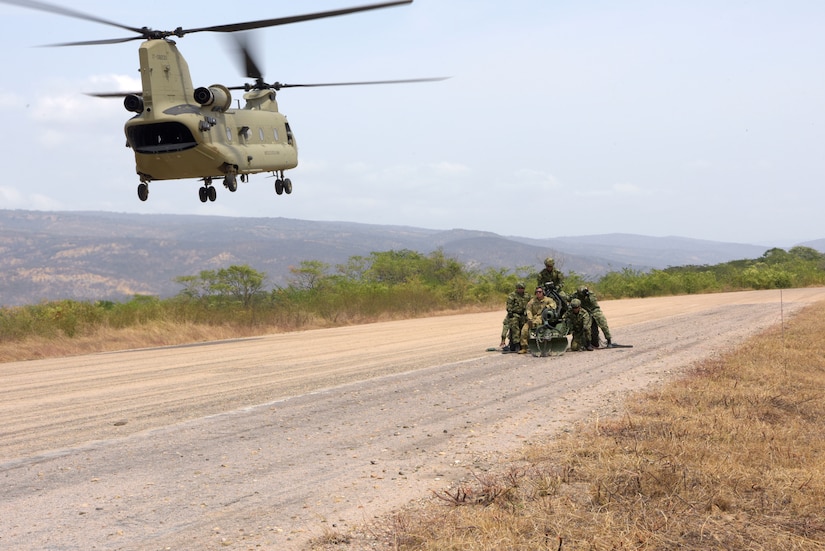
(179, 131)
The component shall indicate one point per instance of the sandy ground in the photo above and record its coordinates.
(263, 443)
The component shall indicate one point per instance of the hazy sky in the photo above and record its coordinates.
(700, 118)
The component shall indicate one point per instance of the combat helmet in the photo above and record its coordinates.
(575, 303)
(519, 285)
(549, 261)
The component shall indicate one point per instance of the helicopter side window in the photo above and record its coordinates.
(289, 139)
(228, 134)
(162, 137)
(261, 133)
(275, 133)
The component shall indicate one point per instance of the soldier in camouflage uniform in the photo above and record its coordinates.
(515, 318)
(550, 274)
(579, 322)
(533, 312)
(599, 321)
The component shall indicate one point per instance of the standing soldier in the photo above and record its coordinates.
(550, 274)
(516, 305)
(599, 321)
(533, 312)
(579, 323)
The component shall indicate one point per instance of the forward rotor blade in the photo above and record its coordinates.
(43, 6)
(147, 33)
(113, 94)
(231, 28)
(94, 42)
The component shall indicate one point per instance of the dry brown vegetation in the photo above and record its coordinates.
(732, 457)
(106, 339)
(169, 333)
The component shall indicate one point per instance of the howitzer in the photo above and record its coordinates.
(550, 338)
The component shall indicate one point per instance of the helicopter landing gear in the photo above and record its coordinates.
(207, 192)
(283, 185)
(143, 191)
(230, 182)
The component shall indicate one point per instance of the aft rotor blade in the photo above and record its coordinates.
(278, 85)
(68, 12)
(245, 49)
(231, 28)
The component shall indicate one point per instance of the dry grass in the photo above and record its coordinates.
(731, 457)
(163, 333)
(107, 339)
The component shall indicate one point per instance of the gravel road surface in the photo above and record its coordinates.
(263, 443)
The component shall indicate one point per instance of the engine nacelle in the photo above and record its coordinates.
(218, 96)
(133, 103)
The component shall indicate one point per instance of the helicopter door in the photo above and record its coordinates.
(160, 137)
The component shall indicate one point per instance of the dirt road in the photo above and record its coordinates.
(262, 443)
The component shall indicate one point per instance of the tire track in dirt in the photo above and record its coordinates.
(267, 441)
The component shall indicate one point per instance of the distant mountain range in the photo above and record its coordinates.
(106, 255)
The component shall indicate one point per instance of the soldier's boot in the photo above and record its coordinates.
(609, 344)
(589, 348)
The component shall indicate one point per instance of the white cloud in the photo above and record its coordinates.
(15, 199)
(627, 189)
(448, 168)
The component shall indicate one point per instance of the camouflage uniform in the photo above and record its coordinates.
(579, 323)
(590, 304)
(550, 274)
(516, 305)
(533, 312)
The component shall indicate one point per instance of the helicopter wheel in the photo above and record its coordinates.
(212, 193)
(279, 186)
(288, 186)
(203, 194)
(143, 191)
(230, 183)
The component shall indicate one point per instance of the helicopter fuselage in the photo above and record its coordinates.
(183, 132)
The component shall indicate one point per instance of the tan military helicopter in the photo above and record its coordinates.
(180, 131)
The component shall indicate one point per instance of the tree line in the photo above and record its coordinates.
(384, 285)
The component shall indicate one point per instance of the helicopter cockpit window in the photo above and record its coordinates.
(162, 137)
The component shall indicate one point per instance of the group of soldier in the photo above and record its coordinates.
(524, 313)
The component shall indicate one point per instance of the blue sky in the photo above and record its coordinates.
(701, 119)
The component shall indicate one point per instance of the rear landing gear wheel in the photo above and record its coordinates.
(203, 194)
(213, 193)
(288, 186)
(143, 191)
(279, 186)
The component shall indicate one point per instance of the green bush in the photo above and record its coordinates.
(385, 284)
